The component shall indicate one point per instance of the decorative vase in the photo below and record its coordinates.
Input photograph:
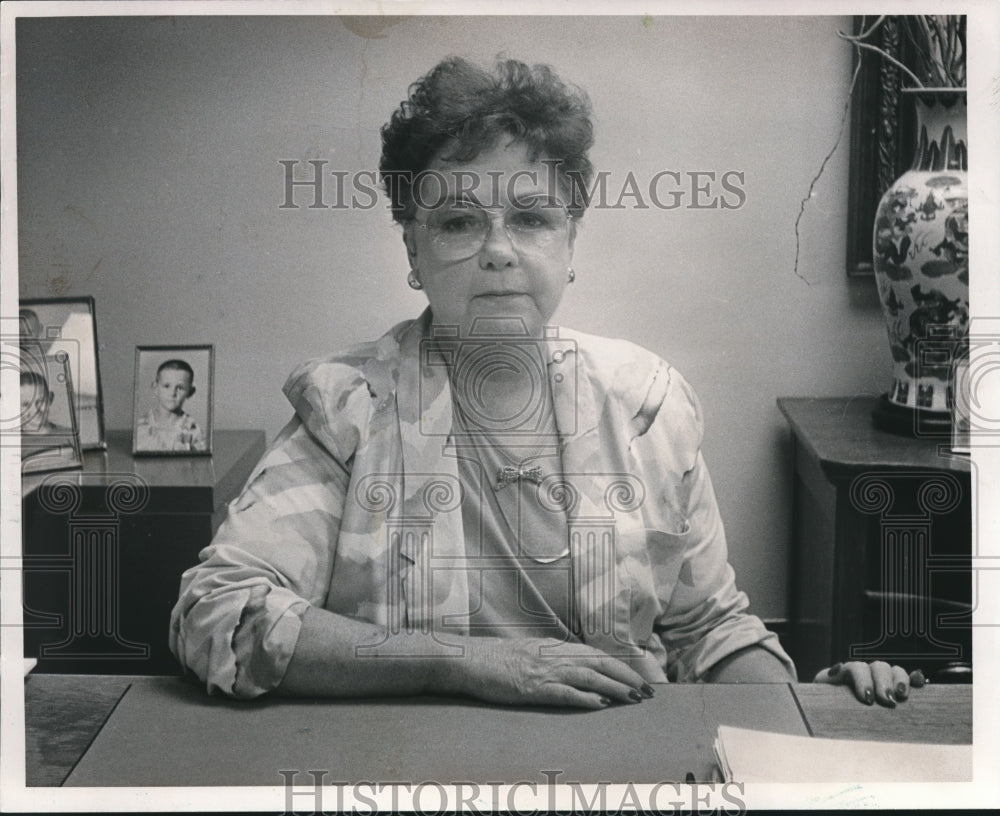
(921, 261)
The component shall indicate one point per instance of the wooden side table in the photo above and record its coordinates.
(104, 549)
(882, 540)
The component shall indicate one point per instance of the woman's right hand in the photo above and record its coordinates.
(542, 671)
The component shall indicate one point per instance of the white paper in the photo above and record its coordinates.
(745, 755)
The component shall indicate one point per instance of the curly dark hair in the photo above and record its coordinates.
(465, 109)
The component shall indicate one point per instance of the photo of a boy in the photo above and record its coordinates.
(45, 445)
(167, 426)
(65, 326)
(36, 400)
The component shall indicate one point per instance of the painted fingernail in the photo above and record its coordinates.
(646, 689)
(834, 670)
(635, 695)
(890, 698)
(917, 679)
(604, 701)
(869, 696)
(901, 691)
(689, 778)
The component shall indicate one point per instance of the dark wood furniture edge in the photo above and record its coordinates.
(836, 470)
(801, 437)
(840, 471)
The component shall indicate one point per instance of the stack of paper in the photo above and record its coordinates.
(761, 756)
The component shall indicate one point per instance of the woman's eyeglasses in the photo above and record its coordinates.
(458, 229)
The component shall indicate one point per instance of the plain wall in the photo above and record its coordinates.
(149, 177)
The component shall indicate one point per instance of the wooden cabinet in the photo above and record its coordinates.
(882, 541)
(104, 549)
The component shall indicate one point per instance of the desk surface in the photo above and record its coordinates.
(388, 739)
(838, 431)
(177, 484)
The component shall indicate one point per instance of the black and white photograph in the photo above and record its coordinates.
(570, 408)
(49, 436)
(173, 401)
(68, 326)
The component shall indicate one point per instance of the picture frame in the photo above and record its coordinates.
(52, 325)
(50, 438)
(881, 139)
(172, 401)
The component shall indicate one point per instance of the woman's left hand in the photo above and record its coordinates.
(873, 682)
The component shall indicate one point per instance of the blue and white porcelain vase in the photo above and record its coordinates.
(921, 260)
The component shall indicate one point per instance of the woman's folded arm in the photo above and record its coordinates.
(240, 610)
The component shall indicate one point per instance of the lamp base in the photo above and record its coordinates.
(888, 416)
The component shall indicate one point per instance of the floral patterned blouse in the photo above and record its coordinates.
(357, 508)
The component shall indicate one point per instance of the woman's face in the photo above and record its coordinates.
(520, 269)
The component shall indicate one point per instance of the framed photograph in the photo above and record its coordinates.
(881, 138)
(49, 434)
(172, 408)
(68, 326)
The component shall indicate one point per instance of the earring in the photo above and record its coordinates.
(414, 281)
(572, 275)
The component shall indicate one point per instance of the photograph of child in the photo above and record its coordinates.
(68, 326)
(171, 422)
(36, 402)
(47, 444)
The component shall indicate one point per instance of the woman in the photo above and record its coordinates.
(477, 503)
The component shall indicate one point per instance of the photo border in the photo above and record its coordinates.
(816, 796)
(210, 398)
(88, 300)
(59, 440)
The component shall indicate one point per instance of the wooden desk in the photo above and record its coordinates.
(939, 714)
(882, 536)
(64, 713)
(104, 549)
